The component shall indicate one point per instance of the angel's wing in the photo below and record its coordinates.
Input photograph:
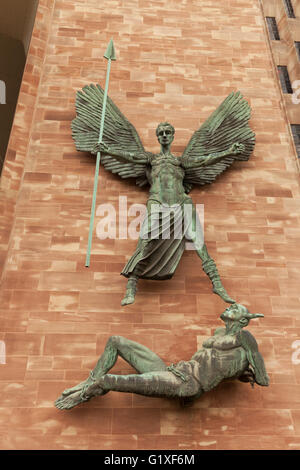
(254, 357)
(227, 124)
(119, 134)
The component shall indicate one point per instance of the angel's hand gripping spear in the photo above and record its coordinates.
(109, 55)
(222, 139)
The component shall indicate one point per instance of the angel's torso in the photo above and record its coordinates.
(166, 179)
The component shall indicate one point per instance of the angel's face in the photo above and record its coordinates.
(165, 135)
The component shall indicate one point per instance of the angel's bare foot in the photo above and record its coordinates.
(130, 291)
(221, 291)
(128, 299)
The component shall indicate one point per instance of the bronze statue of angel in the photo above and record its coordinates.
(171, 217)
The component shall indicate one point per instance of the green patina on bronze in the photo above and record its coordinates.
(230, 353)
(222, 139)
(109, 55)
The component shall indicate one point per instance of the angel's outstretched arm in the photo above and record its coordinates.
(196, 162)
(131, 157)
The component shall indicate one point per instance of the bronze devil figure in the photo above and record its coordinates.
(231, 353)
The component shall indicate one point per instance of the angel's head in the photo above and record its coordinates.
(165, 133)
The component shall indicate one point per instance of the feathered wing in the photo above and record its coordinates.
(119, 134)
(227, 125)
(254, 357)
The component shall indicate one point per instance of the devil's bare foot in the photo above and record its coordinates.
(77, 387)
(220, 290)
(69, 401)
(79, 394)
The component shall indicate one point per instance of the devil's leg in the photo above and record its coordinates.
(156, 384)
(138, 356)
(141, 358)
(104, 364)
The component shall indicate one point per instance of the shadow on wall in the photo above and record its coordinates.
(16, 24)
(12, 65)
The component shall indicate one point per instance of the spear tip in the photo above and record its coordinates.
(110, 51)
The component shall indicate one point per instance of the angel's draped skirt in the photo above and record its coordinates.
(164, 233)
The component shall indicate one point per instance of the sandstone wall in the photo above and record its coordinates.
(177, 60)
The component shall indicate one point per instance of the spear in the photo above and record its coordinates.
(109, 55)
